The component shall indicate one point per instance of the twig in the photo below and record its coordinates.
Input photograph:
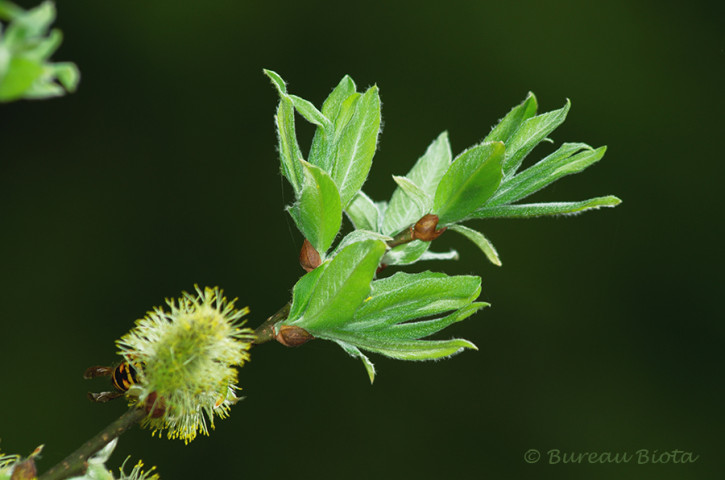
(75, 463)
(265, 332)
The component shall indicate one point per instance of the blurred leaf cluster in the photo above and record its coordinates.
(339, 298)
(15, 467)
(26, 45)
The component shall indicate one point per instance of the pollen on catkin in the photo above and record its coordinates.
(137, 472)
(189, 352)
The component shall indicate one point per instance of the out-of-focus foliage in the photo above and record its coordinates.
(26, 44)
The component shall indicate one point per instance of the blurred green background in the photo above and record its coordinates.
(161, 172)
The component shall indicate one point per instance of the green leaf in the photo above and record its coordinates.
(567, 160)
(311, 114)
(420, 349)
(359, 236)
(416, 330)
(9, 11)
(404, 350)
(341, 288)
(542, 209)
(322, 151)
(67, 74)
(290, 154)
(419, 197)
(407, 253)
(20, 76)
(449, 255)
(43, 48)
(364, 213)
(31, 23)
(43, 88)
(404, 296)
(25, 47)
(355, 352)
(407, 205)
(430, 168)
(530, 134)
(383, 209)
(481, 242)
(318, 213)
(356, 145)
(333, 102)
(277, 81)
(404, 210)
(513, 120)
(415, 251)
(471, 180)
(302, 291)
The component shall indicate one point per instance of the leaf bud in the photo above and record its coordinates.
(425, 228)
(309, 257)
(291, 336)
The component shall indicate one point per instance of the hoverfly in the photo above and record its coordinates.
(123, 376)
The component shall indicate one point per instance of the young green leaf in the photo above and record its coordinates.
(406, 253)
(401, 341)
(341, 288)
(430, 168)
(481, 242)
(419, 349)
(302, 291)
(542, 209)
(318, 213)
(359, 235)
(67, 74)
(470, 180)
(9, 11)
(343, 90)
(356, 145)
(277, 81)
(21, 74)
(44, 47)
(326, 142)
(323, 149)
(449, 255)
(355, 352)
(529, 134)
(407, 206)
(421, 329)
(364, 213)
(404, 296)
(419, 197)
(30, 23)
(289, 151)
(567, 160)
(513, 120)
(403, 349)
(311, 114)
(25, 48)
(383, 323)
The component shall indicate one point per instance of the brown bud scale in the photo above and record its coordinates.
(425, 228)
(291, 336)
(309, 257)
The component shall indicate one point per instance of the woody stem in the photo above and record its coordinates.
(265, 332)
(76, 463)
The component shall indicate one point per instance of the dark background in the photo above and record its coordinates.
(161, 172)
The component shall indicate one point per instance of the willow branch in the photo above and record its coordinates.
(76, 463)
(265, 332)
